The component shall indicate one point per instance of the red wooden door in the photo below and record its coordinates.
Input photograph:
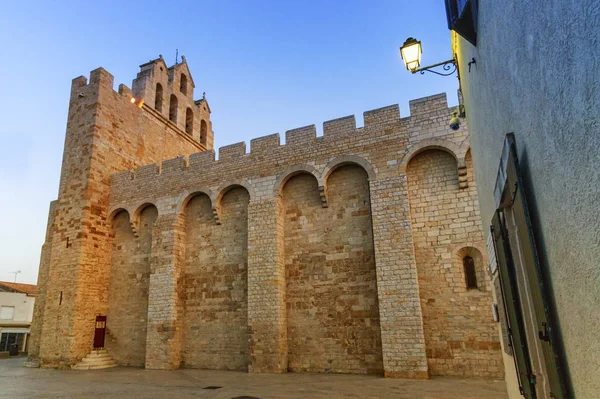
(99, 332)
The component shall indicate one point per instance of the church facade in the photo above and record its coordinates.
(358, 251)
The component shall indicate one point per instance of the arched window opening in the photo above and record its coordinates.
(470, 273)
(158, 98)
(183, 84)
(173, 109)
(203, 131)
(189, 121)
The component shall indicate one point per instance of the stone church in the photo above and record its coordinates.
(358, 251)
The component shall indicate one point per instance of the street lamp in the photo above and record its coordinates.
(411, 55)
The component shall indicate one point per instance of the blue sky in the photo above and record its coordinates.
(266, 66)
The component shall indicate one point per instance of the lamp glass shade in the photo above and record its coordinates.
(411, 54)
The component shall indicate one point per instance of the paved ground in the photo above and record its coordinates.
(19, 382)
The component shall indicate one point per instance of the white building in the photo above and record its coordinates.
(16, 312)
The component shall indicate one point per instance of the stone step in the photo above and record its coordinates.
(94, 366)
(96, 360)
(32, 364)
(93, 357)
(108, 362)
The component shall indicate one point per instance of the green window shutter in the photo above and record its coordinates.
(528, 251)
(510, 295)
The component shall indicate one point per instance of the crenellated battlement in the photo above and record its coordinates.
(382, 116)
(197, 129)
(265, 143)
(99, 78)
(339, 127)
(381, 124)
(202, 159)
(232, 151)
(376, 120)
(425, 105)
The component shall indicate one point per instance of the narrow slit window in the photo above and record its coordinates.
(158, 100)
(173, 109)
(189, 121)
(203, 131)
(470, 274)
(183, 84)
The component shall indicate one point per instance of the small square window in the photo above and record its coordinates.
(462, 18)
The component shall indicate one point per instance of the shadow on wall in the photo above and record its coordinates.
(215, 282)
(460, 336)
(542, 253)
(129, 286)
(331, 289)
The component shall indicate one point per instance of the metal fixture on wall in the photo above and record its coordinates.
(411, 52)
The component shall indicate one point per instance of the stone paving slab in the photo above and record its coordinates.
(121, 382)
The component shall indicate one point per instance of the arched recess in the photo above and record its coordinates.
(224, 189)
(189, 194)
(438, 144)
(331, 289)
(129, 286)
(203, 132)
(345, 160)
(295, 170)
(460, 336)
(183, 84)
(136, 217)
(158, 98)
(348, 160)
(215, 322)
(189, 121)
(173, 108)
(112, 213)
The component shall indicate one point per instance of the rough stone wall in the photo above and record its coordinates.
(382, 148)
(397, 285)
(267, 323)
(460, 335)
(60, 299)
(165, 300)
(215, 283)
(331, 289)
(128, 288)
(380, 324)
(105, 134)
(38, 308)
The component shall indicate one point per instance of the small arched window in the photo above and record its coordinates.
(158, 98)
(189, 121)
(470, 273)
(173, 109)
(183, 84)
(203, 131)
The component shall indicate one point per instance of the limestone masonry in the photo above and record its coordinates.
(360, 251)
